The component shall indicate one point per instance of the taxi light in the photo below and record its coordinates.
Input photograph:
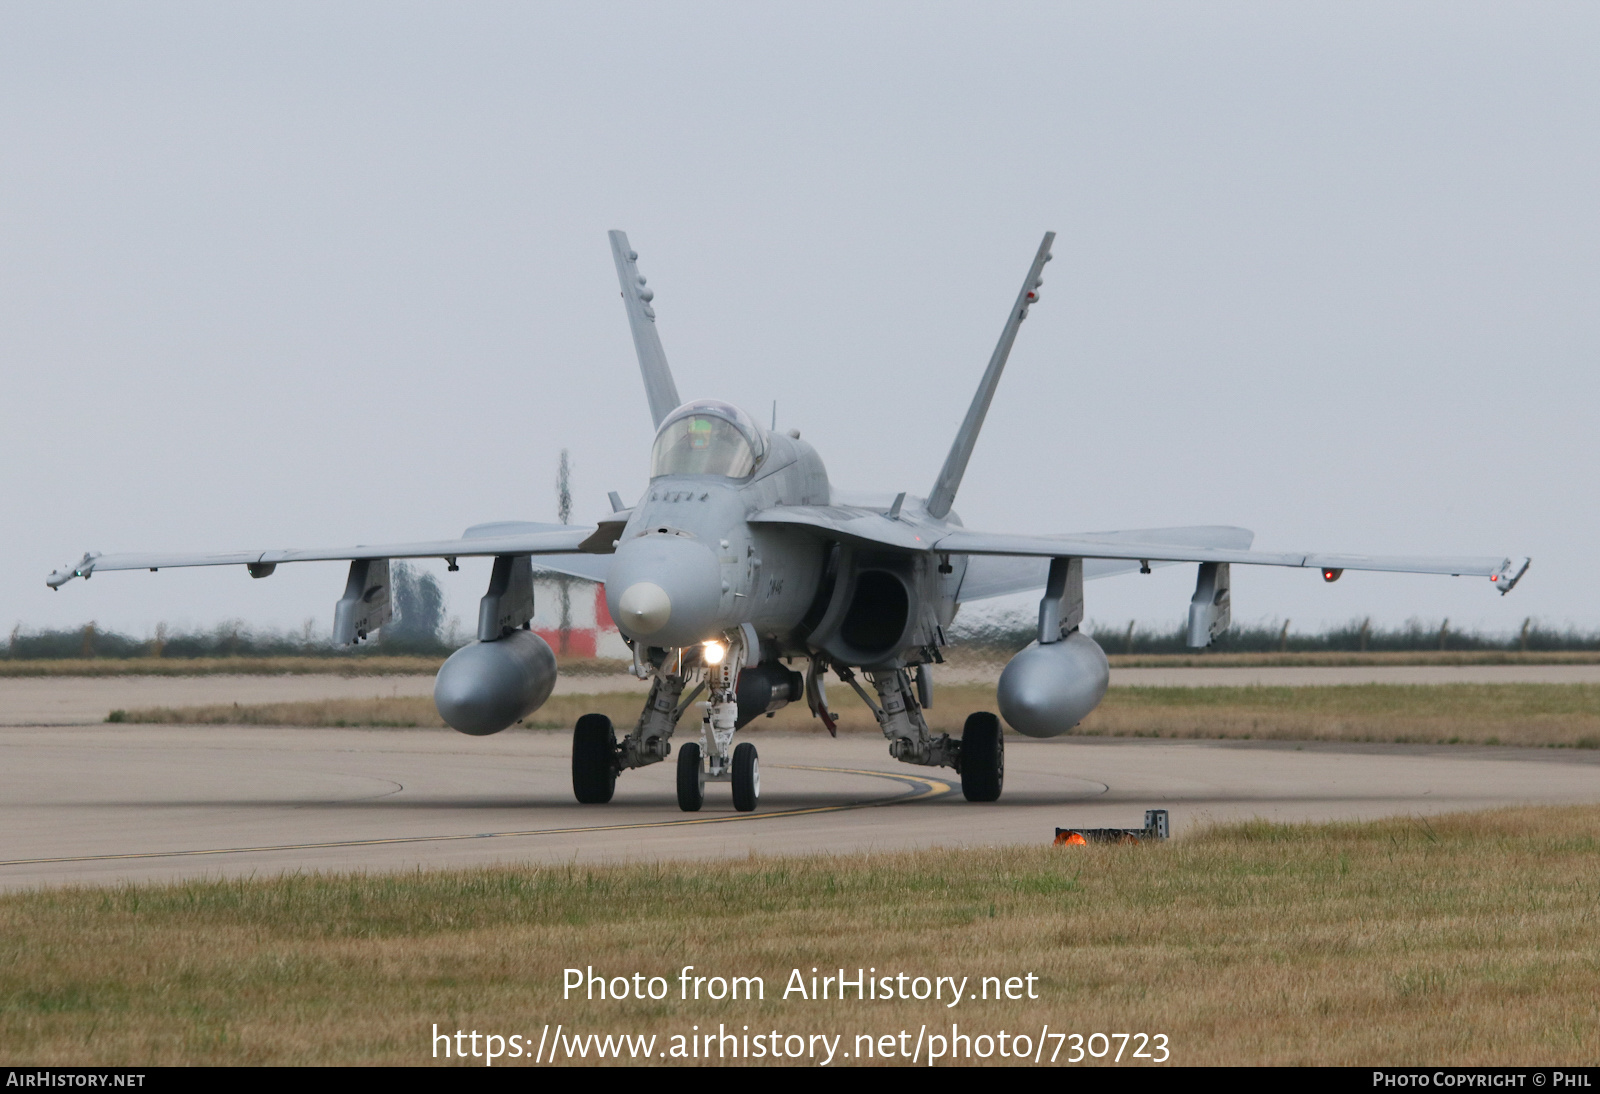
(714, 652)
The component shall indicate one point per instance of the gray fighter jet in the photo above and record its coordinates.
(740, 561)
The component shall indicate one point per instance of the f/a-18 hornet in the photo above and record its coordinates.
(740, 560)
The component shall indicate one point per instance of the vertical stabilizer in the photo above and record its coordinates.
(955, 465)
(658, 385)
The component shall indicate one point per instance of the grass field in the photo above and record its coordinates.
(1556, 715)
(232, 666)
(1465, 939)
(1336, 658)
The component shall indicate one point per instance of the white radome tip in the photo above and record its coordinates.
(645, 607)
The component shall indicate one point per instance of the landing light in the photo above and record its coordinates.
(714, 652)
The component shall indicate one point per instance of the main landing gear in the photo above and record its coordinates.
(979, 756)
(982, 760)
(594, 760)
(691, 778)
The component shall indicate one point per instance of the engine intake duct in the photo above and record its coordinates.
(766, 688)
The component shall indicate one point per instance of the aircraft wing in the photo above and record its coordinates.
(856, 522)
(1505, 572)
(1216, 544)
(543, 541)
(588, 567)
(998, 575)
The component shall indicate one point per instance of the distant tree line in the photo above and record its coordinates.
(418, 627)
(1356, 636)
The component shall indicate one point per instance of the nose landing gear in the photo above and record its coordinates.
(744, 774)
(594, 763)
(714, 758)
(598, 758)
(746, 778)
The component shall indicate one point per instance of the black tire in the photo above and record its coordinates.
(983, 758)
(746, 778)
(594, 760)
(691, 778)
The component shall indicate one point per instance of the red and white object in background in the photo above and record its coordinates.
(590, 631)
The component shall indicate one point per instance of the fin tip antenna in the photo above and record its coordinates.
(955, 465)
(659, 387)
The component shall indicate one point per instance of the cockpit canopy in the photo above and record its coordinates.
(707, 438)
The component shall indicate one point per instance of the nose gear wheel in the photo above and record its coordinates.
(746, 778)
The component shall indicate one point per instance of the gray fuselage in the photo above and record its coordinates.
(689, 567)
(688, 536)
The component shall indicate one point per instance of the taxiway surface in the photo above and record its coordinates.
(113, 803)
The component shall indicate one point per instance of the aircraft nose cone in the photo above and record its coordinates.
(665, 590)
(644, 608)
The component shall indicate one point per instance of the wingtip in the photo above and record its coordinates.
(1511, 573)
(83, 569)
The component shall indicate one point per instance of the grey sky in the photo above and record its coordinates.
(311, 274)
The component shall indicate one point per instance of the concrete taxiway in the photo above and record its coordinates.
(115, 803)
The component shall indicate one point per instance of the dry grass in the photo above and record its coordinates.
(231, 666)
(1538, 715)
(385, 711)
(1466, 939)
(979, 659)
(1334, 658)
(1555, 715)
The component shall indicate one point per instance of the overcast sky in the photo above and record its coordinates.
(313, 274)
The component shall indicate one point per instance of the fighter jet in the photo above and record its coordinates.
(740, 561)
